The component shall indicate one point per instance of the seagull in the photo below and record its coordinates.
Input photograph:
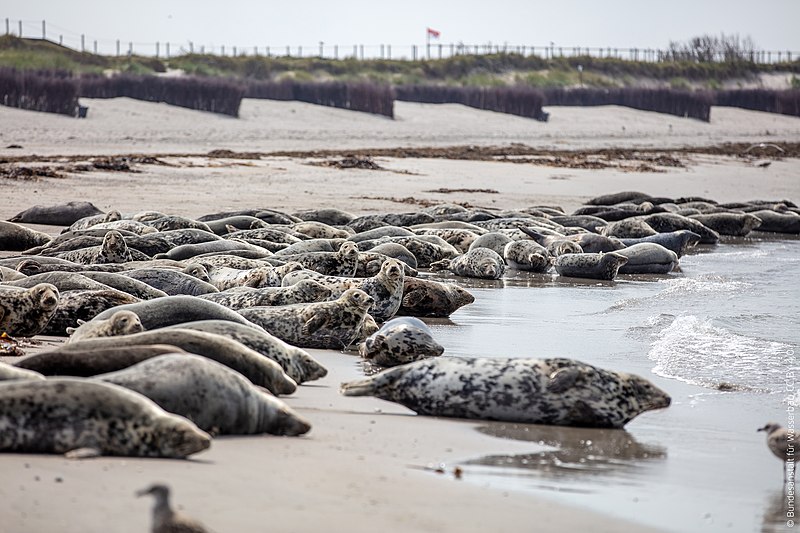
(778, 443)
(766, 145)
(165, 520)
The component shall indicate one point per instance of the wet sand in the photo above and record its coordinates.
(365, 463)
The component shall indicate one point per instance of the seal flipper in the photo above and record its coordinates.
(562, 379)
(83, 453)
(70, 331)
(443, 264)
(314, 324)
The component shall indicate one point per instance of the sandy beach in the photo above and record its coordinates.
(366, 464)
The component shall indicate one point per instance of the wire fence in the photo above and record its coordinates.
(40, 29)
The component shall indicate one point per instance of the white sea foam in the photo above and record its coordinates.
(693, 350)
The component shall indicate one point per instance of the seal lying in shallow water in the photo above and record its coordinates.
(647, 258)
(483, 263)
(216, 398)
(66, 415)
(431, 298)
(592, 266)
(400, 341)
(561, 392)
(26, 312)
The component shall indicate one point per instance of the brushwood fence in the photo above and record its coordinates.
(520, 101)
(50, 92)
(771, 101)
(364, 97)
(217, 95)
(669, 101)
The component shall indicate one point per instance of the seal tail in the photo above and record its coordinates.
(360, 387)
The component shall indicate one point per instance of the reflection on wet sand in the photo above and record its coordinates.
(581, 455)
(777, 507)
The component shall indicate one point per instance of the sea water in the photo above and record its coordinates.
(720, 337)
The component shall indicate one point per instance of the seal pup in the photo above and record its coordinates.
(217, 399)
(561, 392)
(165, 520)
(482, 263)
(304, 291)
(26, 312)
(778, 443)
(83, 418)
(120, 323)
(592, 266)
(335, 324)
(296, 362)
(528, 256)
(9, 373)
(648, 258)
(400, 341)
(432, 298)
(18, 238)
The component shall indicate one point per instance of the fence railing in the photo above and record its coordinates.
(166, 49)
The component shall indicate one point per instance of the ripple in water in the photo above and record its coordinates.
(685, 287)
(693, 350)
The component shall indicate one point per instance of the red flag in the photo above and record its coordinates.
(433, 33)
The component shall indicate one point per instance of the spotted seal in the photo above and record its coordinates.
(528, 256)
(319, 230)
(56, 215)
(480, 263)
(593, 266)
(370, 263)
(224, 278)
(676, 241)
(75, 306)
(629, 228)
(647, 258)
(341, 263)
(16, 237)
(427, 249)
(560, 392)
(9, 372)
(304, 291)
(461, 239)
(296, 362)
(432, 298)
(81, 417)
(333, 324)
(400, 341)
(216, 398)
(120, 323)
(92, 220)
(26, 312)
(385, 288)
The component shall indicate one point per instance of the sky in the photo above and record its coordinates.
(772, 24)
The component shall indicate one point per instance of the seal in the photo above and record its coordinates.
(63, 281)
(180, 237)
(392, 219)
(666, 222)
(9, 373)
(461, 239)
(561, 392)
(377, 233)
(120, 323)
(778, 222)
(123, 283)
(395, 251)
(341, 263)
(26, 312)
(318, 230)
(333, 325)
(216, 398)
(629, 228)
(480, 263)
(304, 291)
(271, 234)
(427, 249)
(113, 250)
(528, 256)
(563, 247)
(164, 518)
(251, 364)
(75, 306)
(80, 418)
(296, 362)
(400, 341)
(431, 298)
(224, 278)
(311, 245)
(648, 258)
(9, 274)
(370, 263)
(385, 288)
(618, 198)
(187, 251)
(56, 215)
(173, 222)
(587, 222)
(172, 282)
(494, 241)
(592, 266)
(330, 216)
(676, 241)
(226, 225)
(91, 361)
(17, 238)
(171, 310)
(92, 220)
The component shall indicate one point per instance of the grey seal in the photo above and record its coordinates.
(432, 298)
(123, 283)
(120, 323)
(113, 250)
(461, 239)
(330, 216)
(617, 198)
(26, 312)
(340, 263)
(319, 230)
(296, 362)
(629, 228)
(482, 263)
(85, 361)
(304, 291)
(187, 251)
(666, 222)
(333, 325)
(400, 341)
(56, 215)
(217, 399)
(75, 307)
(73, 416)
(676, 241)
(427, 249)
(16, 237)
(494, 241)
(92, 220)
(593, 266)
(560, 392)
(778, 222)
(736, 224)
(528, 256)
(9, 372)
(647, 258)
(63, 281)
